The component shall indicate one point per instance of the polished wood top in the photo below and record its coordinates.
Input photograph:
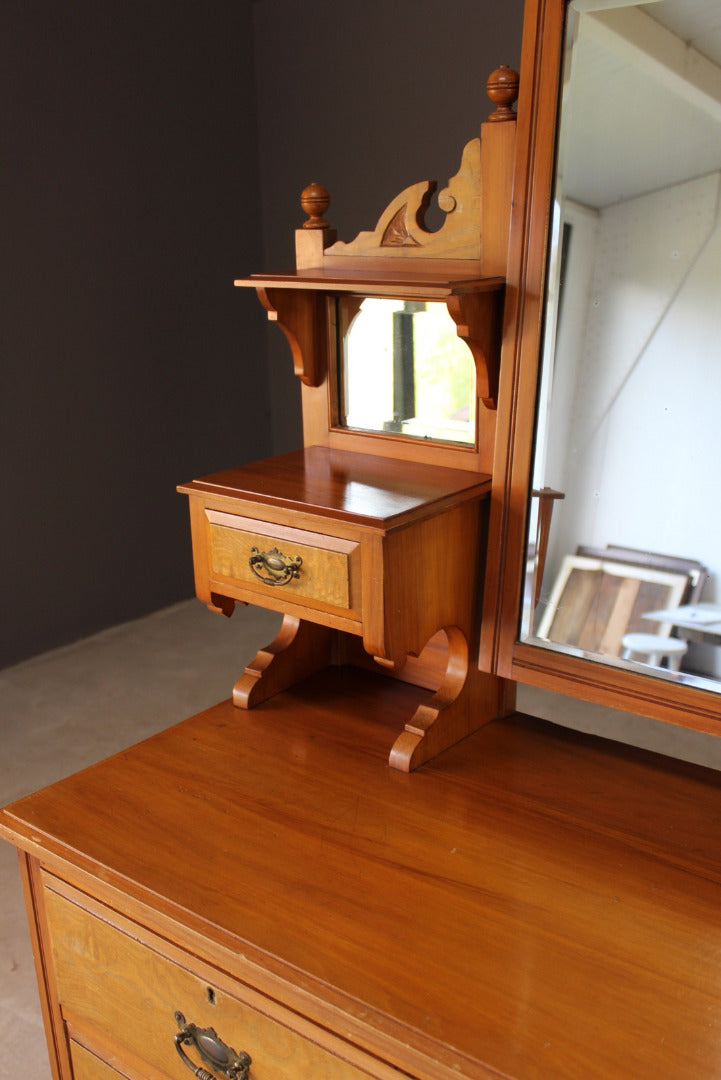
(359, 488)
(375, 277)
(534, 903)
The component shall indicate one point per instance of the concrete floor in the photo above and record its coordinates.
(74, 706)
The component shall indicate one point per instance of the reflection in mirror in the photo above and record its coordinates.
(627, 425)
(403, 369)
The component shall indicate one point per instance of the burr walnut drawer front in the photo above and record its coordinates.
(129, 1005)
(284, 564)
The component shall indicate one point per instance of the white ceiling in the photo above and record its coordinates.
(642, 109)
(696, 22)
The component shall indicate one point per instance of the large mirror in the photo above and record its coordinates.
(623, 546)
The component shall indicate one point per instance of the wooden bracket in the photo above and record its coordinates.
(465, 701)
(300, 315)
(222, 605)
(479, 317)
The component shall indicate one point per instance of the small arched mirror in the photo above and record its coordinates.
(404, 370)
(621, 564)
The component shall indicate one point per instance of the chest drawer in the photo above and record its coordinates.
(87, 1066)
(283, 563)
(121, 999)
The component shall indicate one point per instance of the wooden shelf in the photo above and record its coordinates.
(406, 280)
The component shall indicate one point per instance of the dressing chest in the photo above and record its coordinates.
(365, 863)
(531, 903)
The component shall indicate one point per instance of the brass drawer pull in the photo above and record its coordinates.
(273, 567)
(212, 1050)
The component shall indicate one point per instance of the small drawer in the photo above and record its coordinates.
(289, 563)
(121, 999)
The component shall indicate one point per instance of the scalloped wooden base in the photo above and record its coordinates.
(465, 700)
(299, 649)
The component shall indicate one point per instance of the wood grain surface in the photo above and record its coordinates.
(360, 488)
(533, 903)
(433, 279)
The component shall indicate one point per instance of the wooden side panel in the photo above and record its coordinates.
(431, 578)
(44, 969)
(201, 554)
(441, 592)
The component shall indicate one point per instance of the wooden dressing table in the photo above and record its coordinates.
(365, 864)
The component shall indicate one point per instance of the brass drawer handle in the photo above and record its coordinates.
(212, 1050)
(273, 567)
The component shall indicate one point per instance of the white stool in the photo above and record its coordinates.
(655, 648)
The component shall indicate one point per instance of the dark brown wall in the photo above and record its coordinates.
(366, 97)
(128, 362)
(135, 172)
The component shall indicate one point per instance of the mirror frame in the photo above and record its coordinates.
(501, 651)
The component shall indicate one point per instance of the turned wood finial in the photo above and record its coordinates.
(315, 200)
(502, 89)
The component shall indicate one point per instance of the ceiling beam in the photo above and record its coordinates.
(650, 47)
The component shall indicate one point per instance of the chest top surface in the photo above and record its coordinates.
(503, 907)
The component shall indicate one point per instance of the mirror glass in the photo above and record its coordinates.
(404, 370)
(624, 546)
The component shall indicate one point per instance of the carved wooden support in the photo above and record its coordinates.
(223, 605)
(300, 649)
(478, 317)
(300, 314)
(466, 700)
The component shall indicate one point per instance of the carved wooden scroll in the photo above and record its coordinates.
(476, 202)
(401, 229)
